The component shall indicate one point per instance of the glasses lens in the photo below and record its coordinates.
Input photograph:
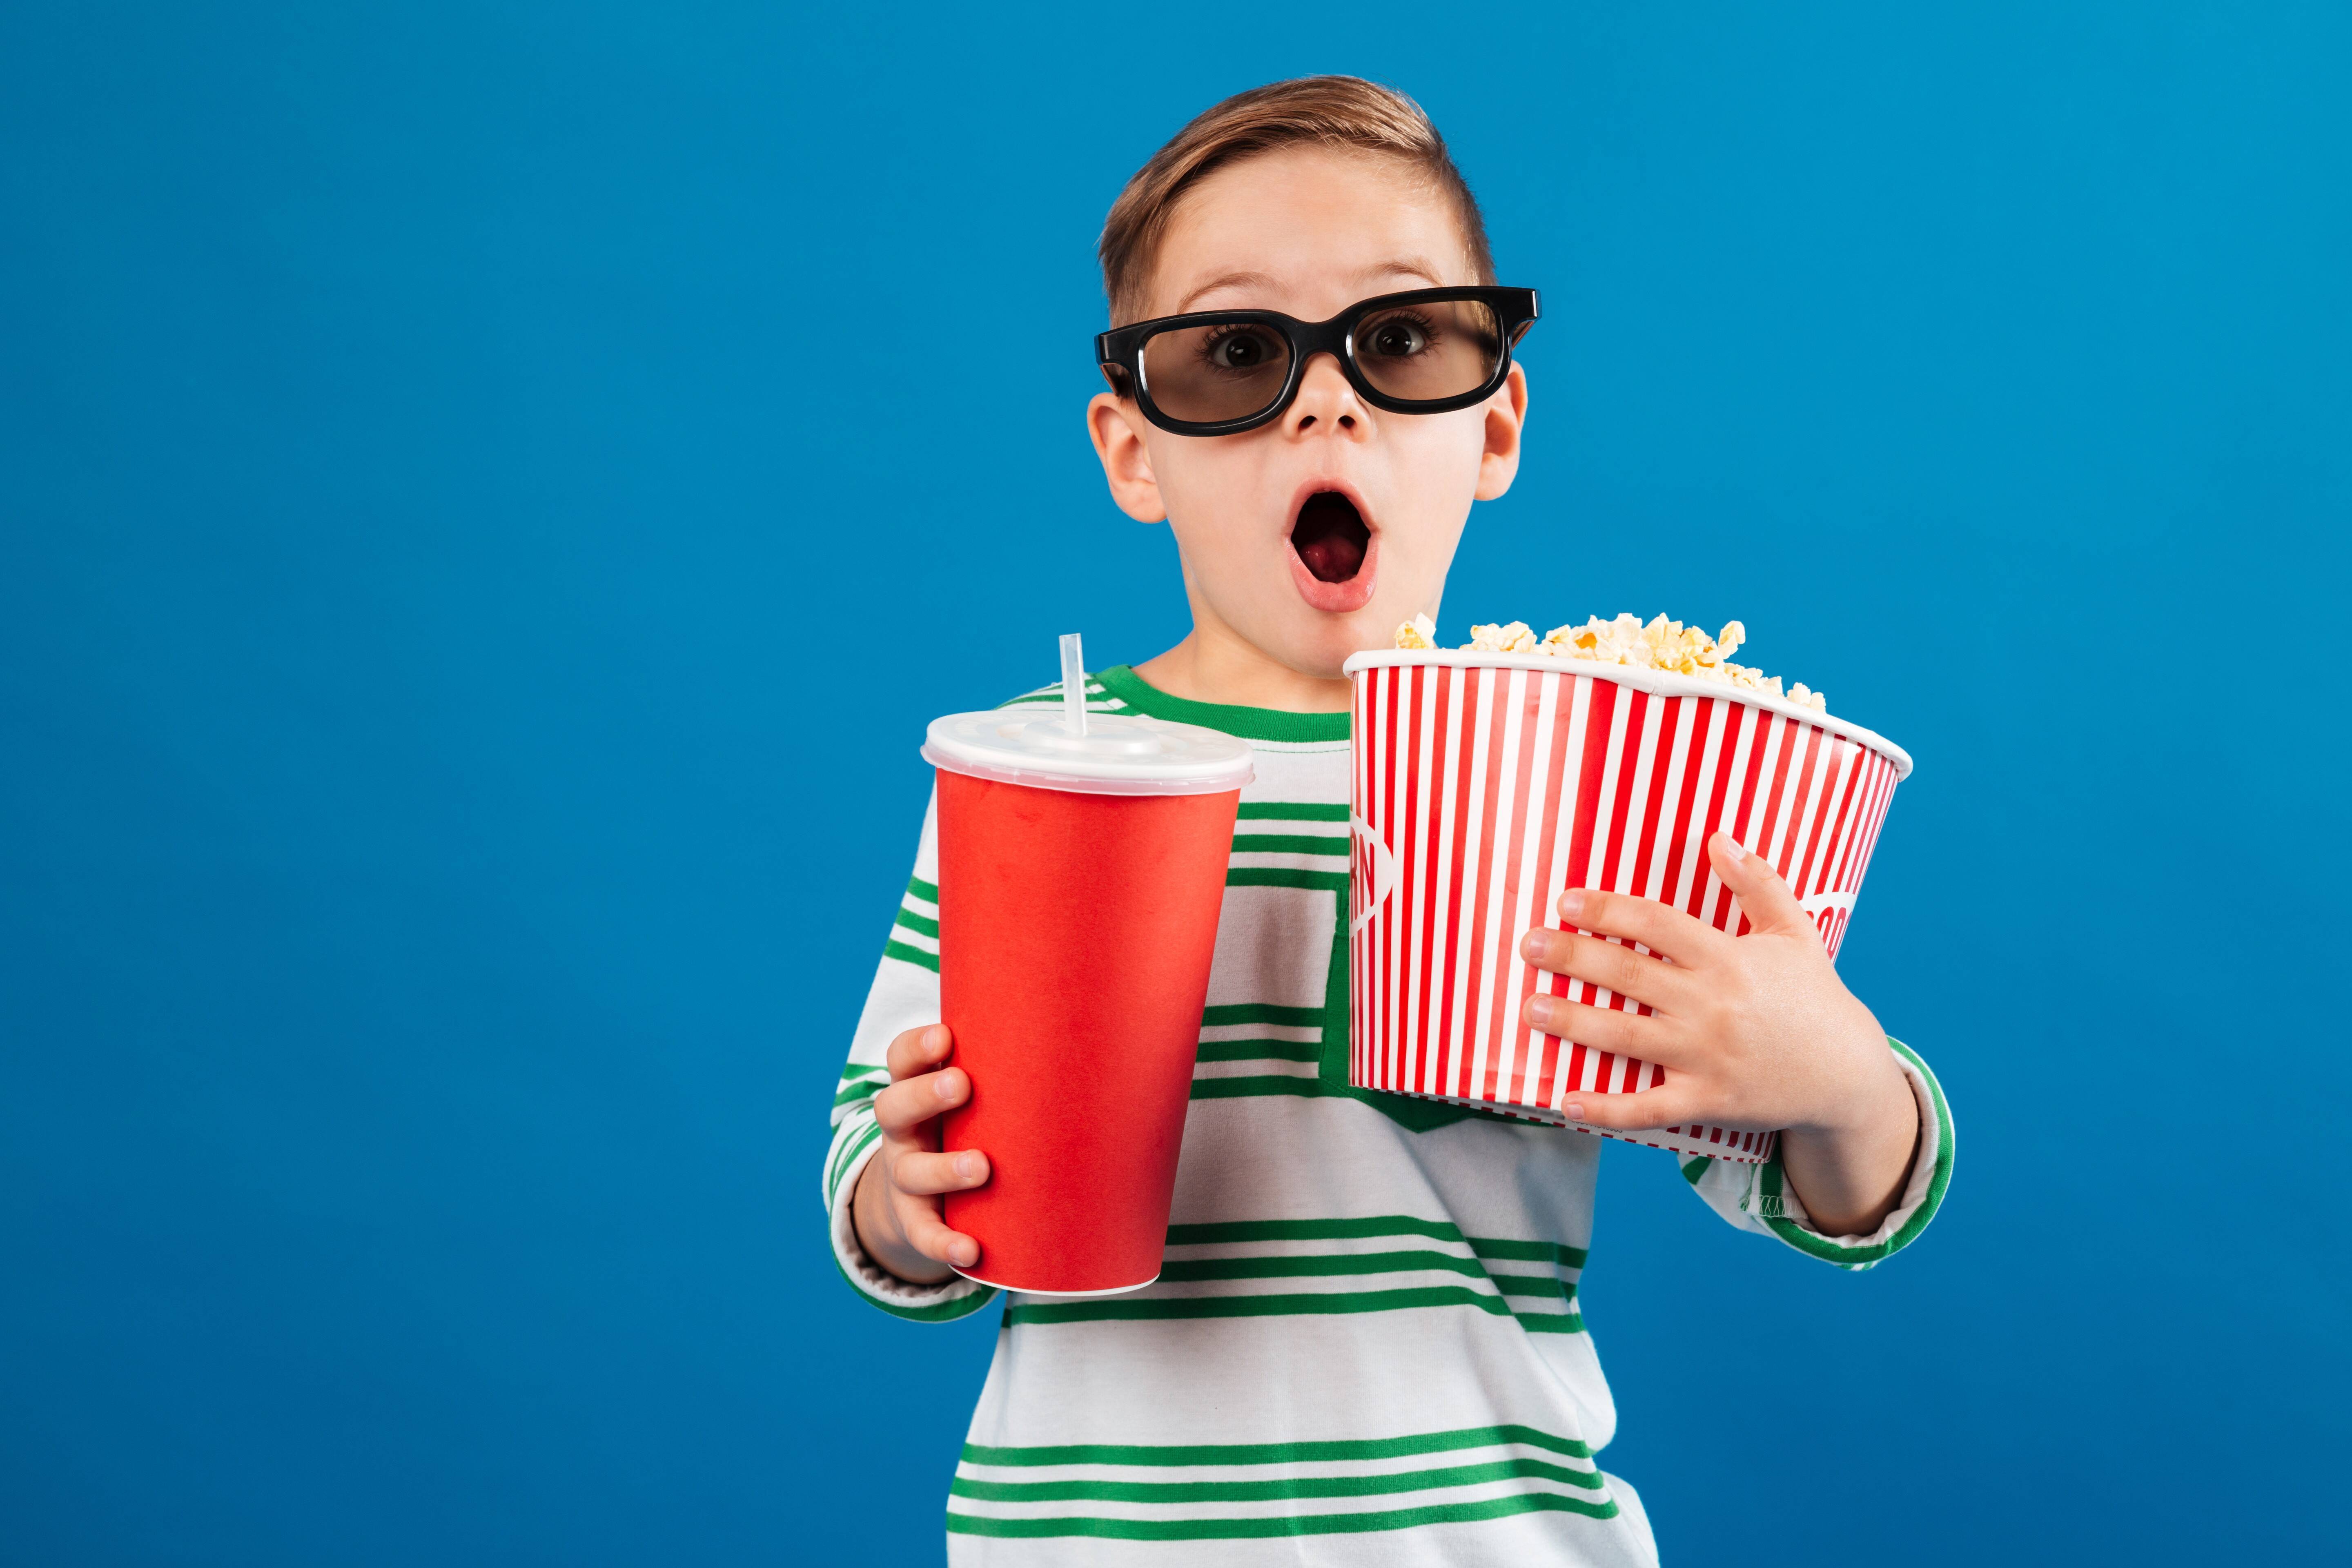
(1207, 373)
(1425, 352)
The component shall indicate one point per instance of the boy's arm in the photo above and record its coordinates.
(1755, 1030)
(905, 995)
(1762, 1199)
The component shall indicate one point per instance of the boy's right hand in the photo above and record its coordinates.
(896, 1206)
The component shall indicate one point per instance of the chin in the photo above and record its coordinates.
(1318, 644)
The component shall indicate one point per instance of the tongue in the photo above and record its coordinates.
(1330, 537)
(1334, 558)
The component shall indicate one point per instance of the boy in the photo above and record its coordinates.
(1364, 1346)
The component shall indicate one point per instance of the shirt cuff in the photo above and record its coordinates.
(1773, 1201)
(855, 1143)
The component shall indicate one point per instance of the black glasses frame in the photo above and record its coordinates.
(1120, 352)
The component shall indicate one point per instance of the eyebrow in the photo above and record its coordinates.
(1401, 267)
(1223, 280)
(1406, 265)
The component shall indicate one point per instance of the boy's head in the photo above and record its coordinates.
(1312, 535)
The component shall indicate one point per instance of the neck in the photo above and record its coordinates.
(1213, 665)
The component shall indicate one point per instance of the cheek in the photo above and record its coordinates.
(1197, 478)
(1437, 468)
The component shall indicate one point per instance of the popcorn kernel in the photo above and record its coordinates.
(1657, 644)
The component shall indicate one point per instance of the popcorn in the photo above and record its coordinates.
(1659, 643)
(1516, 637)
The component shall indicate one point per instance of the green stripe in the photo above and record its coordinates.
(1095, 703)
(913, 921)
(1332, 1450)
(1266, 1087)
(1092, 687)
(1527, 1251)
(945, 1311)
(1289, 843)
(1413, 1114)
(1258, 1050)
(1317, 1304)
(1552, 1322)
(1296, 1524)
(1285, 876)
(1693, 1170)
(1176, 1493)
(866, 1090)
(927, 891)
(844, 1158)
(1261, 1013)
(1280, 1267)
(1249, 723)
(1350, 1229)
(1815, 1245)
(900, 950)
(1543, 1287)
(1295, 810)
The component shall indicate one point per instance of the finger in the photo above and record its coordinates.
(1670, 1104)
(1597, 962)
(928, 1175)
(1763, 898)
(914, 1100)
(1680, 937)
(919, 1219)
(1601, 1028)
(918, 1050)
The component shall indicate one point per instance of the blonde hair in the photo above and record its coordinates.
(1339, 111)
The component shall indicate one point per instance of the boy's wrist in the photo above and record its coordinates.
(1870, 1092)
(1851, 1174)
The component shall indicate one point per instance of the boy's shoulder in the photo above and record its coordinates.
(1100, 699)
(1119, 689)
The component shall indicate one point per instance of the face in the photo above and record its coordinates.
(1313, 537)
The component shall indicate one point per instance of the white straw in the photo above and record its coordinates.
(1074, 685)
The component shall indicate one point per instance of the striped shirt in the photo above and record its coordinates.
(1364, 1344)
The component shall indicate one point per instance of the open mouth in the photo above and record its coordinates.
(1330, 536)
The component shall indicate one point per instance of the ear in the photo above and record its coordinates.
(1507, 414)
(1117, 427)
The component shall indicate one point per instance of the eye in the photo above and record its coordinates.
(1398, 337)
(1243, 348)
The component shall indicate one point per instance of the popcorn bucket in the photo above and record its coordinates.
(1487, 784)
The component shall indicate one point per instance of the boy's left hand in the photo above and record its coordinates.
(1755, 1032)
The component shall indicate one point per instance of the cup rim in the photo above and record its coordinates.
(1656, 682)
(977, 744)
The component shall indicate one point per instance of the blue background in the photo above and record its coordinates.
(489, 495)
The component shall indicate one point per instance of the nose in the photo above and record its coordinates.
(1326, 400)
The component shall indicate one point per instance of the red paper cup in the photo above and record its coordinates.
(1487, 784)
(1080, 880)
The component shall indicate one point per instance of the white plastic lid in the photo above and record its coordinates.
(1120, 754)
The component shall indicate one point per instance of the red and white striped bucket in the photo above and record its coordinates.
(1486, 784)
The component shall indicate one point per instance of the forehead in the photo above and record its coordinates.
(1309, 231)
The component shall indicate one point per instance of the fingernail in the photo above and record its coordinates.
(1733, 850)
(967, 1166)
(947, 1086)
(1531, 946)
(1572, 1110)
(1571, 902)
(965, 1254)
(1539, 1011)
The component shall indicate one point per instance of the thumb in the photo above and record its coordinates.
(1766, 899)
